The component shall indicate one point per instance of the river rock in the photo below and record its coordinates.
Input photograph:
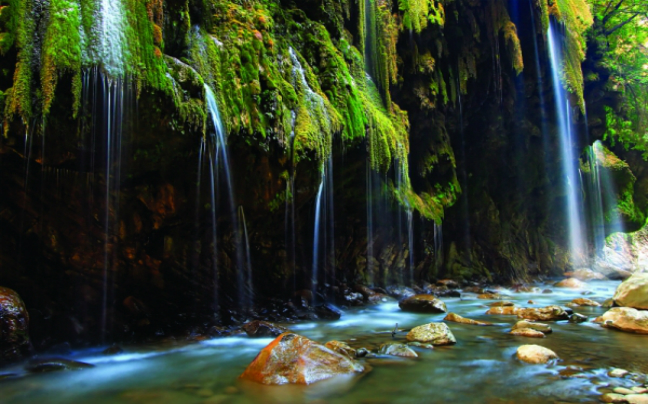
(400, 292)
(342, 348)
(423, 304)
(502, 303)
(455, 318)
(535, 354)
(263, 329)
(637, 398)
(527, 332)
(571, 283)
(613, 398)
(448, 283)
(616, 372)
(586, 274)
(507, 310)
(294, 359)
(622, 390)
(549, 313)
(396, 349)
(633, 292)
(55, 364)
(581, 301)
(625, 319)
(489, 296)
(432, 333)
(14, 326)
(577, 318)
(543, 328)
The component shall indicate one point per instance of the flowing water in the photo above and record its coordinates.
(480, 368)
(568, 157)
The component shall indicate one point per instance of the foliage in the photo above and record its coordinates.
(622, 30)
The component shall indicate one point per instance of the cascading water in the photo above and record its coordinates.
(112, 24)
(316, 236)
(577, 245)
(219, 157)
(249, 282)
(595, 201)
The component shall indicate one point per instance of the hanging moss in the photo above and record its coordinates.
(418, 13)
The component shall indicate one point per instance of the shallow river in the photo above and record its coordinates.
(480, 368)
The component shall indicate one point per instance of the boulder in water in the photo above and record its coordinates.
(423, 304)
(341, 348)
(581, 301)
(535, 354)
(625, 319)
(448, 283)
(549, 313)
(586, 274)
(504, 310)
(527, 332)
(633, 292)
(571, 283)
(432, 333)
(294, 359)
(577, 318)
(489, 296)
(263, 329)
(455, 318)
(502, 303)
(396, 349)
(14, 326)
(544, 328)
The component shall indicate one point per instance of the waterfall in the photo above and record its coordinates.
(369, 271)
(289, 222)
(249, 283)
(410, 244)
(438, 245)
(219, 157)
(595, 199)
(316, 236)
(569, 160)
(112, 37)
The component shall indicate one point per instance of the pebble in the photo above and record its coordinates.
(617, 372)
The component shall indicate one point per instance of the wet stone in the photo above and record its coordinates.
(622, 390)
(455, 318)
(503, 303)
(55, 364)
(549, 313)
(396, 349)
(527, 332)
(577, 318)
(613, 398)
(263, 329)
(535, 354)
(423, 304)
(617, 372)
(432, 333)
(544, 328)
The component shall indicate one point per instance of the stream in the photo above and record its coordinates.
(480, 368)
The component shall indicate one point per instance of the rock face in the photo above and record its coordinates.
(433, 333)
(571, 283)
(535, 354)
(423, 304)
(395, 349)
(549, 313)
(14, 326)
(263, 329)
(455, 318)
(294, 359)
(633, 292)
(625, 319)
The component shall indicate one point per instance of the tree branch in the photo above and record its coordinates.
(621, 24)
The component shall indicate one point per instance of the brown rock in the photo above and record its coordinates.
(544, 328)
(432, 333)
(263, 329)
(294, 359)
(535, 354)
(527, 332)
(14, 326)
(458, 319)
(489, 296)
(448, 283)
(581, 301)
(508, 310)
(549, 313)
(395, 349)
(341, 348)
(613, 398)
(633, 292)
(625, 319)
(423, 304)
(501, 303)
(571, 283)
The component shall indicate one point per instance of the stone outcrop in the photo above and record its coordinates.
(633, 292)
(625, 319)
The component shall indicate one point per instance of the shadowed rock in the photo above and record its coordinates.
(14, 326)
(423, 304)
(263, 329)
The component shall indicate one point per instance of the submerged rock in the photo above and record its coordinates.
(432, 333)
(423, 304)
(577, 318)
(527, 332)
(341, 348)
(294, 359)
(489, 296)
(54, 364)
(625, 319)
(571, 283)
(633, 292)
(549, 313)
(504, 310)
(263, 329)
(535, 354)
(502, 303)
(455, 318)
(544, 328)
(396, 349)
(581, 301)
(14, 326)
